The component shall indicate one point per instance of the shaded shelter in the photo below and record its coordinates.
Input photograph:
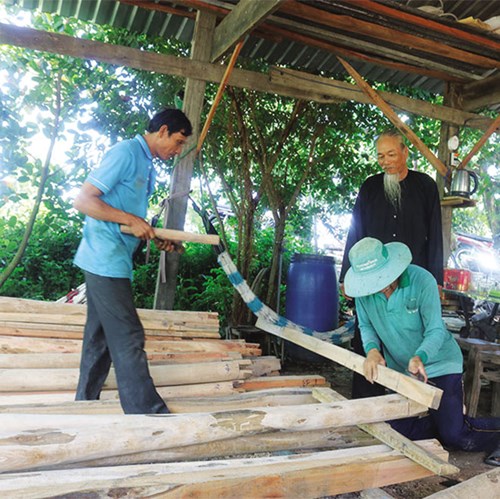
(407, 43)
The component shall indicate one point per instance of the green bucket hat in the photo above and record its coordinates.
(374, 266)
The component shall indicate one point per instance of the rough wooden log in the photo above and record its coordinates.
(310, 475)
(262, 366)
(166, 392)
(165, 375)
(23, 305)
(332, 438)
(31, 441)
(395, 440)
(265, 398)
(32, 341)
(409, 387)
(27, 344)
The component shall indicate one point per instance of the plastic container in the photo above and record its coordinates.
(312, 298)
(457, 279)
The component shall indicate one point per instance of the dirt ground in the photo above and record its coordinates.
(469, 463)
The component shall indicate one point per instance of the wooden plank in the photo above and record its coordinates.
(319, 474)
(79, 320)
(177, 317)
(411, 18)
(159, 63)
(484, 486)
(166, 375)
(409, 387)
(179, 235)
(331, 438)
(263, 398)
(266, 382)
(262, 366)
(389, 436)
(27, 344)
(72, 360)
(30, 441)
(335, 21)
(219, 388)
(245, 16)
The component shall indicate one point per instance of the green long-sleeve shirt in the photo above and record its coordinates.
(409, 323)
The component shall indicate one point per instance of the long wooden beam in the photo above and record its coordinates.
(320, 474)
(38, 440)
(245, 16)
(480, 93)
(428, 24)
(179, 235)
(415, 390)
(179, 66)
(386, 34)
(394, 439)
(278, 28)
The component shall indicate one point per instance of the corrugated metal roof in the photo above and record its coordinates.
(171, 19)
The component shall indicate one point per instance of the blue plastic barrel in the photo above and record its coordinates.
(312, 298)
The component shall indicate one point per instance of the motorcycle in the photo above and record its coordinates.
(475, 253)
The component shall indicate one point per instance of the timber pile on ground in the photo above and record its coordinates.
(228, 401)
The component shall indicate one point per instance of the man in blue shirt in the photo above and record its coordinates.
(116, 193)
(399, 313)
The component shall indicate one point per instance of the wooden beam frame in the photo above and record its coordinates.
(302, 87)
(245, 16)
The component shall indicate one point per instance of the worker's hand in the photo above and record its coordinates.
(416, 368)
(169, 246)
(140, 228)
(370, 367)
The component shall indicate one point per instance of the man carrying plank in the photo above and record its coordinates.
(399, 313)
(117, 193)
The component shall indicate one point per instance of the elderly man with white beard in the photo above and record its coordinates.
(398, 205)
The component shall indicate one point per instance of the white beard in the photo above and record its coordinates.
(392, 189)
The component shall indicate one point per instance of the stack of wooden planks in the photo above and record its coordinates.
(227, 401)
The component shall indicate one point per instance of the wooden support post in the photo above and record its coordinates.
(384, 433)
(183, 172)
(415, 390)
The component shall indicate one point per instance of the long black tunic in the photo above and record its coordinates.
(417, 223)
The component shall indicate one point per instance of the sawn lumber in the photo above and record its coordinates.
(389, 436)
(179, 235)
(405, 385)
(317, 474)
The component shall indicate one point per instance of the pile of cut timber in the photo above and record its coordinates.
(228, 401)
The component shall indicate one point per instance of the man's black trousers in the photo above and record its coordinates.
(114, 333)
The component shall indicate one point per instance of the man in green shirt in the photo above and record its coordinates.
(399, 313)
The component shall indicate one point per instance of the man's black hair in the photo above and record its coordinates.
(175, 120)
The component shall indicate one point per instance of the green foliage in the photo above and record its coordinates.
(46, 271)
